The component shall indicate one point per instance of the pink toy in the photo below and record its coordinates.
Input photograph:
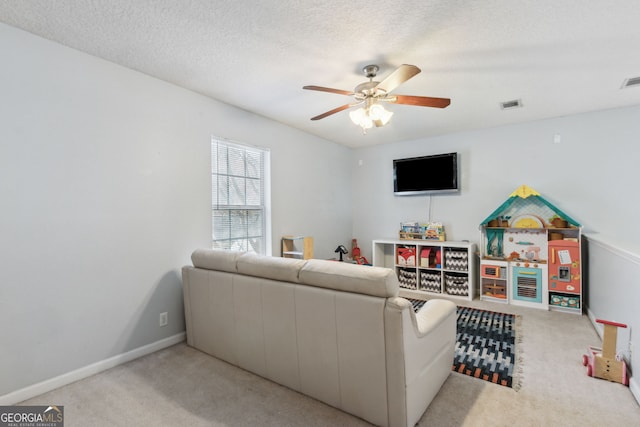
(603, 362)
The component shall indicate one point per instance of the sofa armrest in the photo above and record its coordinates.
(432, 331)
(426, 355)
(432, 315)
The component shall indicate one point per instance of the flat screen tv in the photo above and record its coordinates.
(426, 175)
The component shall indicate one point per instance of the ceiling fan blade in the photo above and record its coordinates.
(335, 110)
(399, 76)
(420, 101)
(328, 89)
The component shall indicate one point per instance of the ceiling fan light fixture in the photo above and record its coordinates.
(357, 116)
(378, 113)
(373, 114)
(361, 118)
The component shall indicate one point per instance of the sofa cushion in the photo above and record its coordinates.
(376, 281)
(268, 267)
(216, 259)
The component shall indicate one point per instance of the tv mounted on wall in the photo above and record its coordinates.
(426, 175)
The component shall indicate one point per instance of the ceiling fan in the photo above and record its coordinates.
(372, 93)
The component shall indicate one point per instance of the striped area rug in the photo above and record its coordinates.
(486, 345)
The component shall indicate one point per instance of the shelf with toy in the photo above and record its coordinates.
(429, 267)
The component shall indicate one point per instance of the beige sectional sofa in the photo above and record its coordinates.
(334, 331)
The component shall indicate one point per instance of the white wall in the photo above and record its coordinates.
(105, 190)
(591, 175)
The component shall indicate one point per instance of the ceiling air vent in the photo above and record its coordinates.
(631, 82)
(507, 105)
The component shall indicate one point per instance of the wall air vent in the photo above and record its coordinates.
(507, 105)
(631, 82)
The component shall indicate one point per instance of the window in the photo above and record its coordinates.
(239, 183)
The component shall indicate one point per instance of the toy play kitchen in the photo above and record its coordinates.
(531, 254)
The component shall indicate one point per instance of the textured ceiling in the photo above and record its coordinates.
(558, 57)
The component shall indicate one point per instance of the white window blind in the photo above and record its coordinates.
(238, 182)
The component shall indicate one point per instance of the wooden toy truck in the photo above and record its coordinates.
(603, 362)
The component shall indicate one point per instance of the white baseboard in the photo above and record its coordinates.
(84, 372)
(635, 389)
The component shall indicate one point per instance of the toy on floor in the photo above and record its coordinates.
(356, 254)
(603, 362)
(342, 251)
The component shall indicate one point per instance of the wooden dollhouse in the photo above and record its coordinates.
(530, 254)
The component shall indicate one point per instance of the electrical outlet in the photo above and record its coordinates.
(164, 318)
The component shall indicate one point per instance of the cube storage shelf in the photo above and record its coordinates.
(430, 267)
(300, 247)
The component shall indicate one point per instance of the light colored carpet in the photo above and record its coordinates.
(182, 386)
(555, 389)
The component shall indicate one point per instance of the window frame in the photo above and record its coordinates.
(231, 211)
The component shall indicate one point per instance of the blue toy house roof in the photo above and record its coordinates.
(526, 201)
